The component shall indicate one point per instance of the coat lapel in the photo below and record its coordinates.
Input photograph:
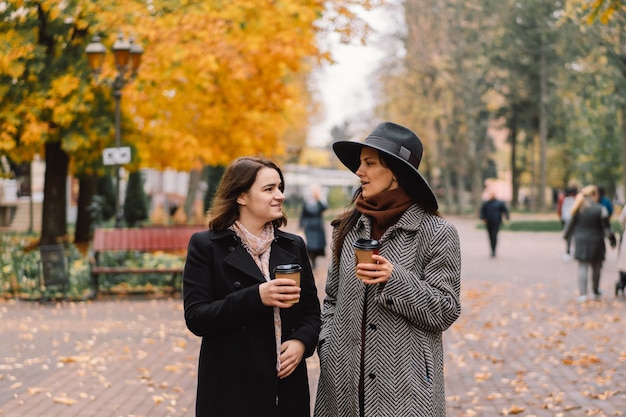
(280, 256)
(241, 260)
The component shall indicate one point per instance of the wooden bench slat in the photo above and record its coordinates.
(149, 239)
(133, 270)
(144, 239)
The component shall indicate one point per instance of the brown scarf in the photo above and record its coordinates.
(384, 209)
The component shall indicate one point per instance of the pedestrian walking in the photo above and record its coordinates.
(256, 329)
(589, 227)
(564, 211)
(312, 222)
(620, 285)
(380, 347)
(605, 201)
(492, 213)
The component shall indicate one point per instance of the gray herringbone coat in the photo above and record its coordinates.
(405, 319)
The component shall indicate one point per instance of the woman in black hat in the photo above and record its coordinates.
(380, 346)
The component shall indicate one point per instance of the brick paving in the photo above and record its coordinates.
(523, 345)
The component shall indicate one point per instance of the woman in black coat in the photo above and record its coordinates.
(312, 222)
(589, 226)
(254, 338)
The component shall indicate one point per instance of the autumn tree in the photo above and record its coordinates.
(46, 106)
(440, 86)
(219, 79)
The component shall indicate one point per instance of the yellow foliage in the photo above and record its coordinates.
(65, 85)
(218, 79)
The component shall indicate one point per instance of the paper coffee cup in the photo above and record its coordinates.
(363, 251)
(291, 271)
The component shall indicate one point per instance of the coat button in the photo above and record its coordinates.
(389, 302)
(237, 285)
(231, 248)
(373, 326)
(372, 375)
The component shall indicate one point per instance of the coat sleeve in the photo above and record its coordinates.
(607, 229)
(482, 214)
(505, 211)
(432, 301)
(568, 228)
(622, 219)
(330, 300)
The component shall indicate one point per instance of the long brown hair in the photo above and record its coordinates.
(237, 179)
(346, 221)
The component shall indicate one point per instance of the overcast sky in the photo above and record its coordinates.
(343, 87)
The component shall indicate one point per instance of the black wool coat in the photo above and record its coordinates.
(237, 366)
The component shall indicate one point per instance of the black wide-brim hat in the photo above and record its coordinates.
(405, 149)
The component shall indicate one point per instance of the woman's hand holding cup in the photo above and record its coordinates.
(284, 290)
(371, 268)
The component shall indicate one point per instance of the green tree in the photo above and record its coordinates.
(440, 86)
(106, 191)
(136, 201)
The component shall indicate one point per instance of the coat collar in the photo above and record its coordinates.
(410, 220)
(240, 259)
(225, 234)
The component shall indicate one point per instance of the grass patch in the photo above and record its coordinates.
(534, 226)
(542, 226)
(530, 226)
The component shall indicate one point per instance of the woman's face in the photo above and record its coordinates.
(374, 176)
(263, 202)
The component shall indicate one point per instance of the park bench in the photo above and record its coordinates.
(172, 239)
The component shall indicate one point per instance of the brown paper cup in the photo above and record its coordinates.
(363, 251)
(291, 271)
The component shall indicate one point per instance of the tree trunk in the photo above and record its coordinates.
(54, 216)
(88, 186)
(446, 182)
(622, 55)
(195, 176)
(623, 110)
(543, 128)
(514, 171)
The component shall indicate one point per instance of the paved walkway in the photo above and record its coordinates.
(523, 345)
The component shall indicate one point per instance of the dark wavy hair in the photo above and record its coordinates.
(346, 221)
(237, 179)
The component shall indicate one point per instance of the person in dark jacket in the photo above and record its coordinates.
(312, 222)
(380, 348)
(254, 338)
(589, 226)
(565, 214)
(492, 212)
(605, 201)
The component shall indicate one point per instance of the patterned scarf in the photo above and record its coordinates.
(384, 209)
(259, 248)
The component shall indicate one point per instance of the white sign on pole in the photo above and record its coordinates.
(116, 156)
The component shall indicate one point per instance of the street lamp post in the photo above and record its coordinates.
(127, 56)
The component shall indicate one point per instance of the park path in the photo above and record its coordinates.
(522, 346)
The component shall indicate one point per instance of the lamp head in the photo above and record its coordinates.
(136, 51)
(95, 54)
(121, 52)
